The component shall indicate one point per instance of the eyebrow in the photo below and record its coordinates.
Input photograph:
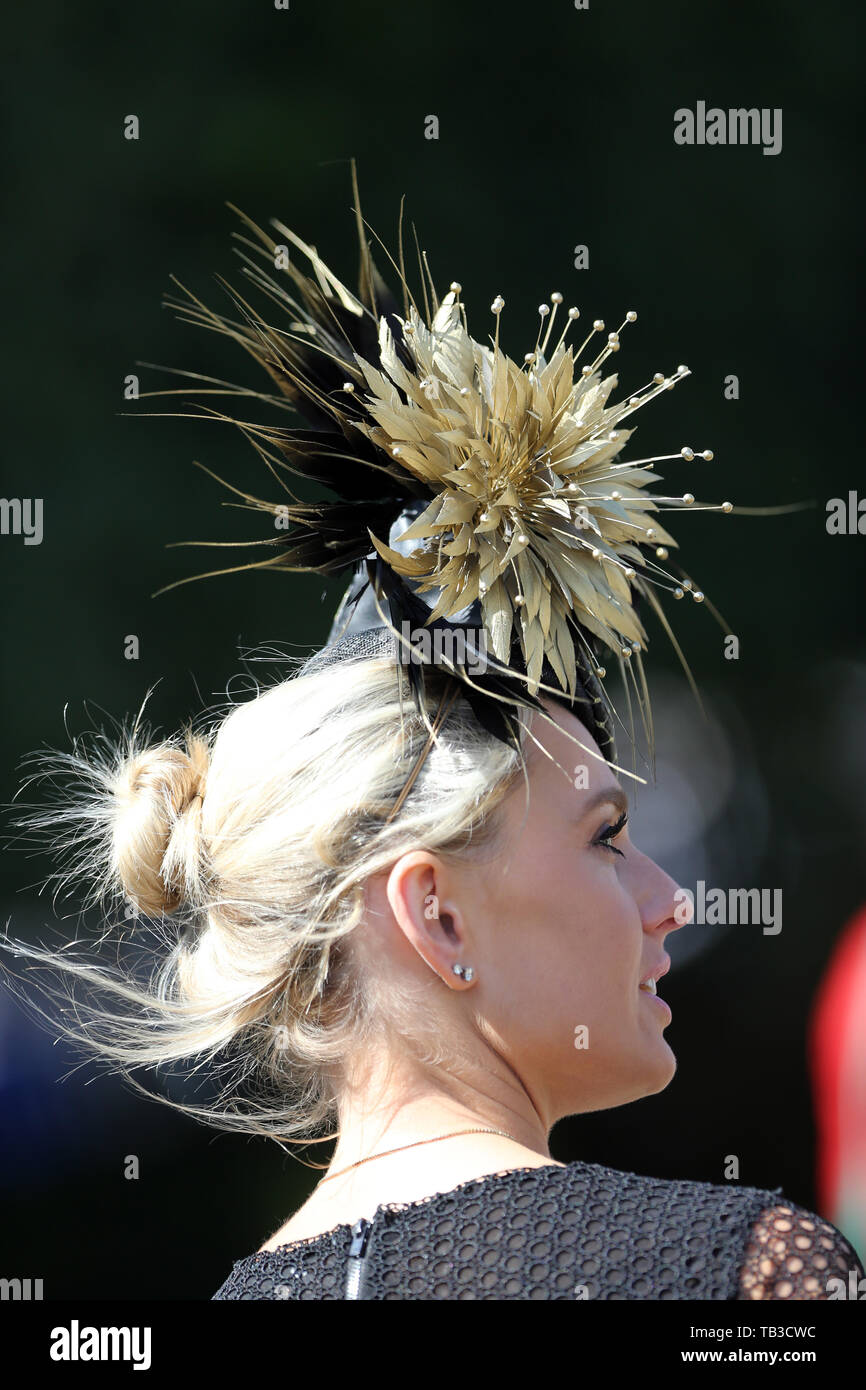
(614, 796)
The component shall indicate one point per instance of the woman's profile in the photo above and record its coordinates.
(396, 892)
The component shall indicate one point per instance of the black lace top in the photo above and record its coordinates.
(578, 1232)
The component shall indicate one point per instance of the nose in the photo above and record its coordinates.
(662, 903)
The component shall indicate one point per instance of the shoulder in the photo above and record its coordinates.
(782, 1250)
(596, 1181)
(792, 1253)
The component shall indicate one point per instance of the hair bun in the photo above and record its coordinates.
(156, 835)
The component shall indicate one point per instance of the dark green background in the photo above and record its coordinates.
(556, 128)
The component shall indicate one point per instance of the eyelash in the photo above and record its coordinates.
(610, 832)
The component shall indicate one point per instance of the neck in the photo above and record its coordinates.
(375, 1117)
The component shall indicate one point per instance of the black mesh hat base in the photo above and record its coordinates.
(374, 642)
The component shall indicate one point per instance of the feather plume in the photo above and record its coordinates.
(522, 504)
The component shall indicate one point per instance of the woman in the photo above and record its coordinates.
(327, 960)
(408, 908)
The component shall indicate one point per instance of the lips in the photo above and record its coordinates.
(650, 981)
(648, 985)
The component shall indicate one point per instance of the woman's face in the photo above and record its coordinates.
(562, 926)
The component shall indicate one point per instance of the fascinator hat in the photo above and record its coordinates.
(480, 506)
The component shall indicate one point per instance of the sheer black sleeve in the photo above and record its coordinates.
(793, 1254)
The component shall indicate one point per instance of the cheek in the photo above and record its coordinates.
(529, 915)
(564, 927)
(559, 891)
(604, 942)
(601, 901)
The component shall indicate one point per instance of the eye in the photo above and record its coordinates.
(610, 832)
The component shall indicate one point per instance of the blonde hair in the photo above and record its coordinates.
(255, 837)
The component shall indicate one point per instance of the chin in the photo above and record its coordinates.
(660, 1073)
(648, 1074)
(632, 1078)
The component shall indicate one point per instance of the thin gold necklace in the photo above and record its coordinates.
(435, 1137)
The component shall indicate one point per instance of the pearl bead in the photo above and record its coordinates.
(395, 450)
(658, 377)
(596, 553)
(600, 672)
(598, 325)
(631, 316)
(727, 506)
(650, 533)
(574, 313)
(678, 593)
(556, 297)
(635, 646)
(544, 310)
(498, 305)
(615, 496)
(682, 368)
(519, 600)
(687, 453)
(698, 596)
(348, 385)
(687, 583)
(707, 454)
(529, 357)
(586, 370)
(662, 552)
(688, 497)
(630, 573)
(522, 540)
(456, 286)
(626, 651)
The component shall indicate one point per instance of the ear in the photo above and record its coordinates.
(423, 898)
